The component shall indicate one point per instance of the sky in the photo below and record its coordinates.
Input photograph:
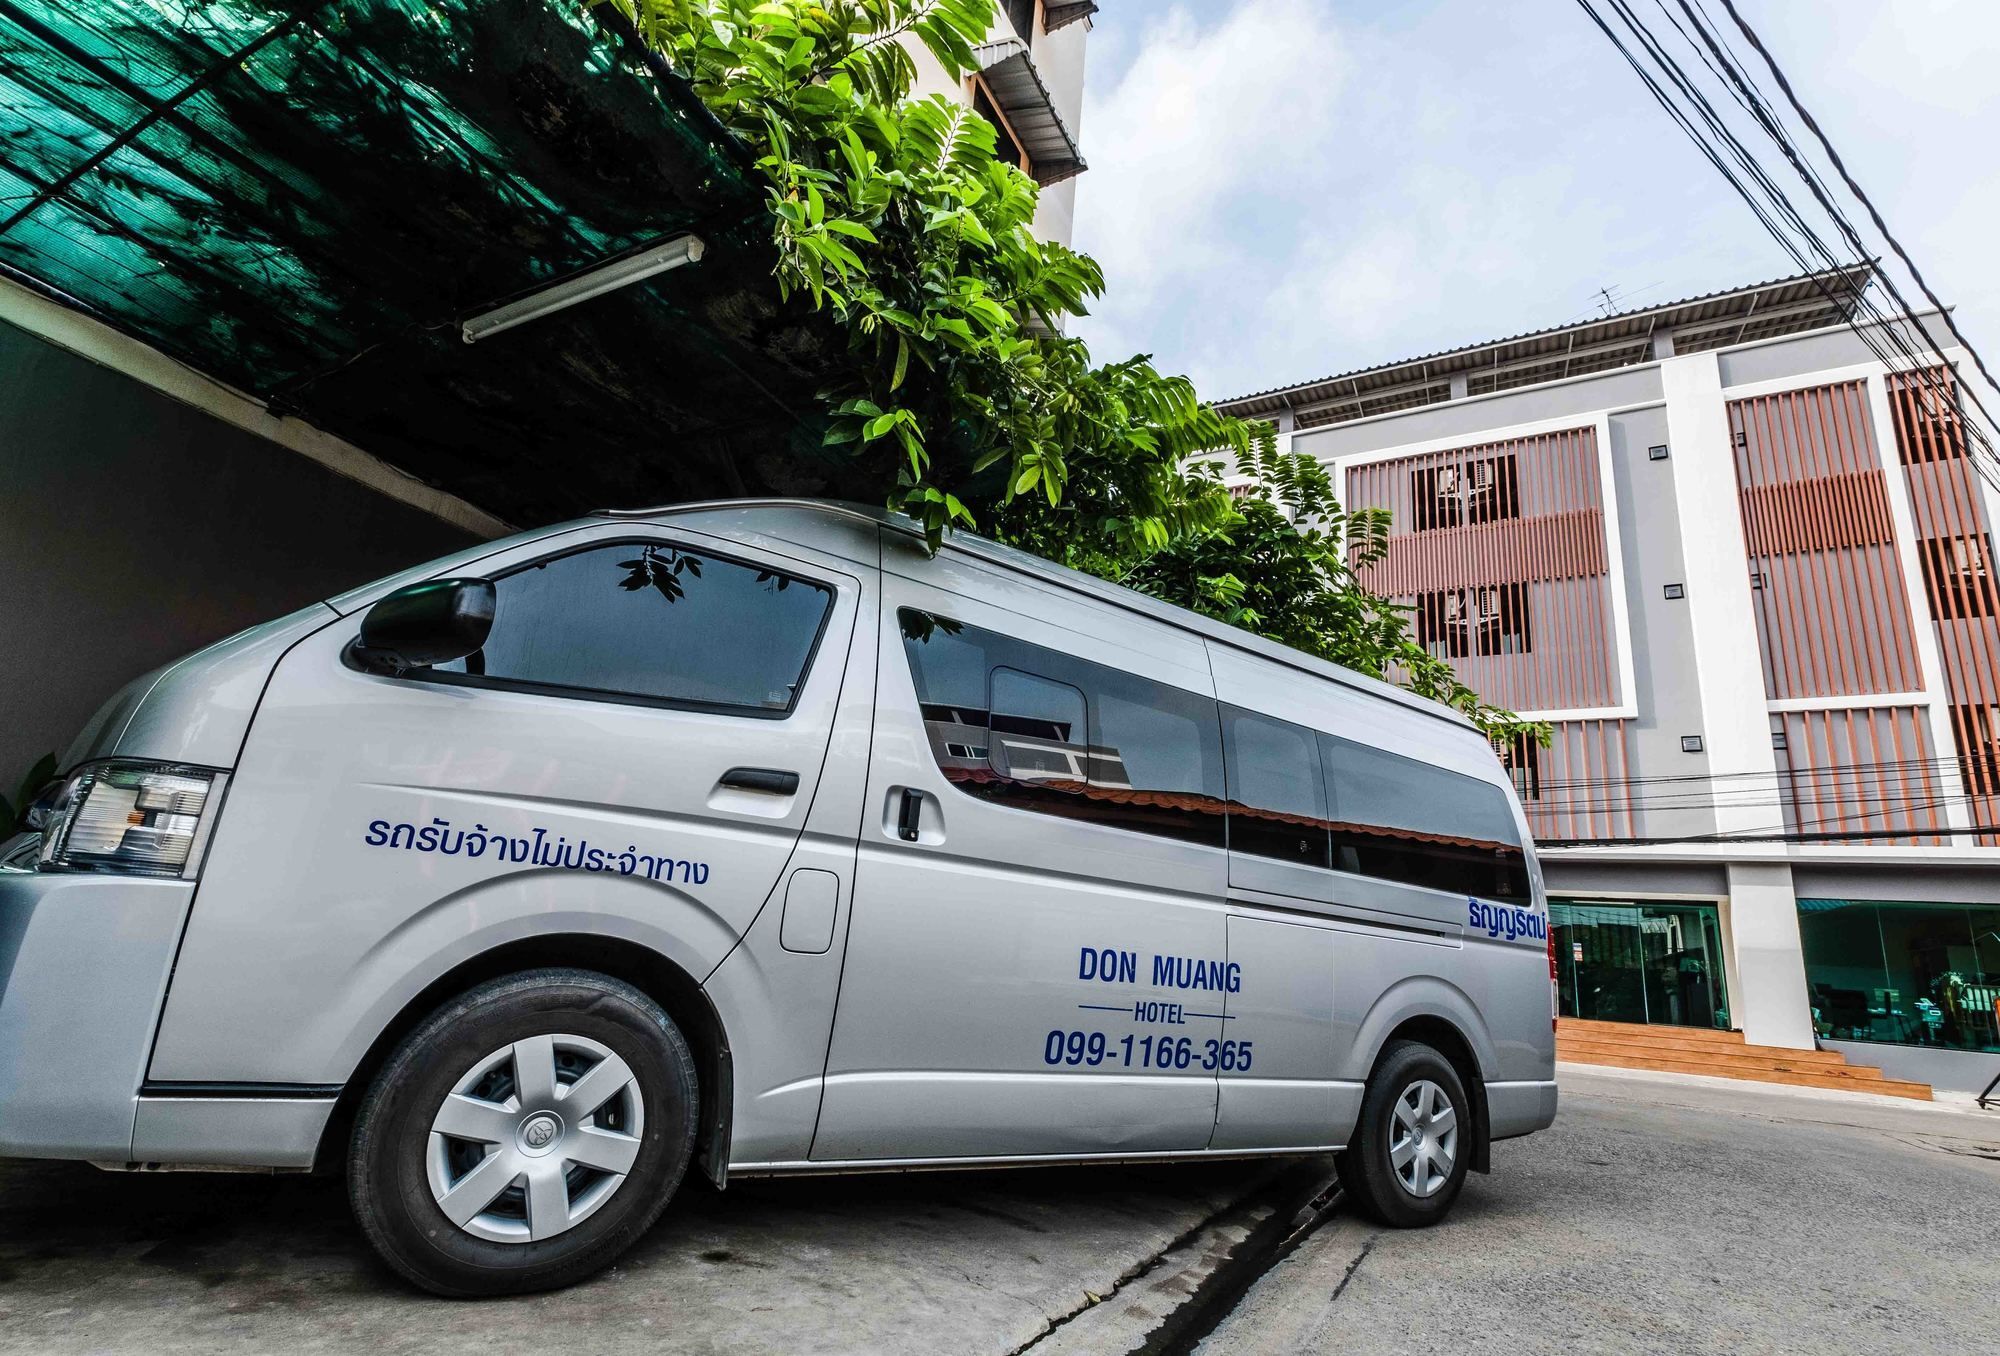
(1284, 189)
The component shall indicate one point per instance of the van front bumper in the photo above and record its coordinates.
(84, 965)
(84, 962)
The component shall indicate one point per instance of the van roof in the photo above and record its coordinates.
(1022, 562)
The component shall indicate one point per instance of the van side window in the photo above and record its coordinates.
(1045, 731)
(649, 622)
(1403, 820)
(1277, 799)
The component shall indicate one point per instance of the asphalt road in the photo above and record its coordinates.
(1672, 1218)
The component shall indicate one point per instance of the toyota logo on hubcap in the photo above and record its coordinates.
(539, 1132)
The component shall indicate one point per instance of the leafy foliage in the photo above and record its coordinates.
(963, 392)
(892, 213)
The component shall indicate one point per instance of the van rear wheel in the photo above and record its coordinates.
(524, 1135)
(1407, 1158)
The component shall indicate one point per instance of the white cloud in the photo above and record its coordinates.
(1285, 188)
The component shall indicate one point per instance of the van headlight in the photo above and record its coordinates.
(148, 819)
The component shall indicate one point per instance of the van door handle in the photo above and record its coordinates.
(909, 816)
(770, 779)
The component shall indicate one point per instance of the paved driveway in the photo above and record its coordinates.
(1672, 1218)
(1656, 1217)
(920, 1263)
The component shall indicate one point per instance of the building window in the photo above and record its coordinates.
(1442, 625)
(1928, 425)
(1486, 620)
(1977, 730)
(1021, 16)
(1492, 491)
(1903, 974)
(1502, 611)
(1958, 574)
(1620, 961)
(1479, 490)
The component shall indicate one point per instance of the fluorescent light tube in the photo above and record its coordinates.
(647, 263)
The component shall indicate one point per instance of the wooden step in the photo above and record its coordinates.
(1842, 1082)
(1676, 1041)
(1747, 1056)
(1576, 1026)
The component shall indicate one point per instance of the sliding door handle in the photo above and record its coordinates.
(769, 779)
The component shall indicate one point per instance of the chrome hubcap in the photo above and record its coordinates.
(1423, 1139)
(535, 1138)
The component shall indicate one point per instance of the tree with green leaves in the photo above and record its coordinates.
(963, 393)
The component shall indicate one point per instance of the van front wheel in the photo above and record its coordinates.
(524, 1135)
(1409, 1153)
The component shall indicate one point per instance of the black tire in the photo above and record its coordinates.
(389, 1161)
(1367, 1168)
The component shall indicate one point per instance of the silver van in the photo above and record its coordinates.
(744, 836)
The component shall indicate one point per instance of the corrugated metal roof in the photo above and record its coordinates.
(1716, 320)
(1009, 71)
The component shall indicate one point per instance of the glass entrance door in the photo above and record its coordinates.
(1628, 961)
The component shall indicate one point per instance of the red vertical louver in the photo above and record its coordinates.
(1955, 550)
(1833, 618)
(1856, 771)
(1499, 551)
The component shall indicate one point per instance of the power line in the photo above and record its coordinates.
(1880, 329)
(1840, 167)
(1752, 101)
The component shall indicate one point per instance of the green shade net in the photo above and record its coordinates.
(304, 200)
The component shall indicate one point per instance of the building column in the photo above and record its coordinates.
(1729, 671)
(1771, 1005)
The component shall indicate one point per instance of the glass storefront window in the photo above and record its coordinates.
(1907, 974)
(1627, 961)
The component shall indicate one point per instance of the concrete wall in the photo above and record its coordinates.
(1958, 1070)
(135, 528)
(1668, 696)
(1474, 418)
(1819, 351)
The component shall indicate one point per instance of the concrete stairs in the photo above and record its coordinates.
(1720, 1054)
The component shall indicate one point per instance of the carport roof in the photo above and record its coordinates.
(303, 199)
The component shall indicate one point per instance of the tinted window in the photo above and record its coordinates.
(1407, 821)
(1277, 800)
(1049, 732)
(654, 623)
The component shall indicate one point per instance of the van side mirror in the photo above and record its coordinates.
(419, 625)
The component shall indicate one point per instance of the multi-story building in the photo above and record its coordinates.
(1744, 568)
(1030, 87)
